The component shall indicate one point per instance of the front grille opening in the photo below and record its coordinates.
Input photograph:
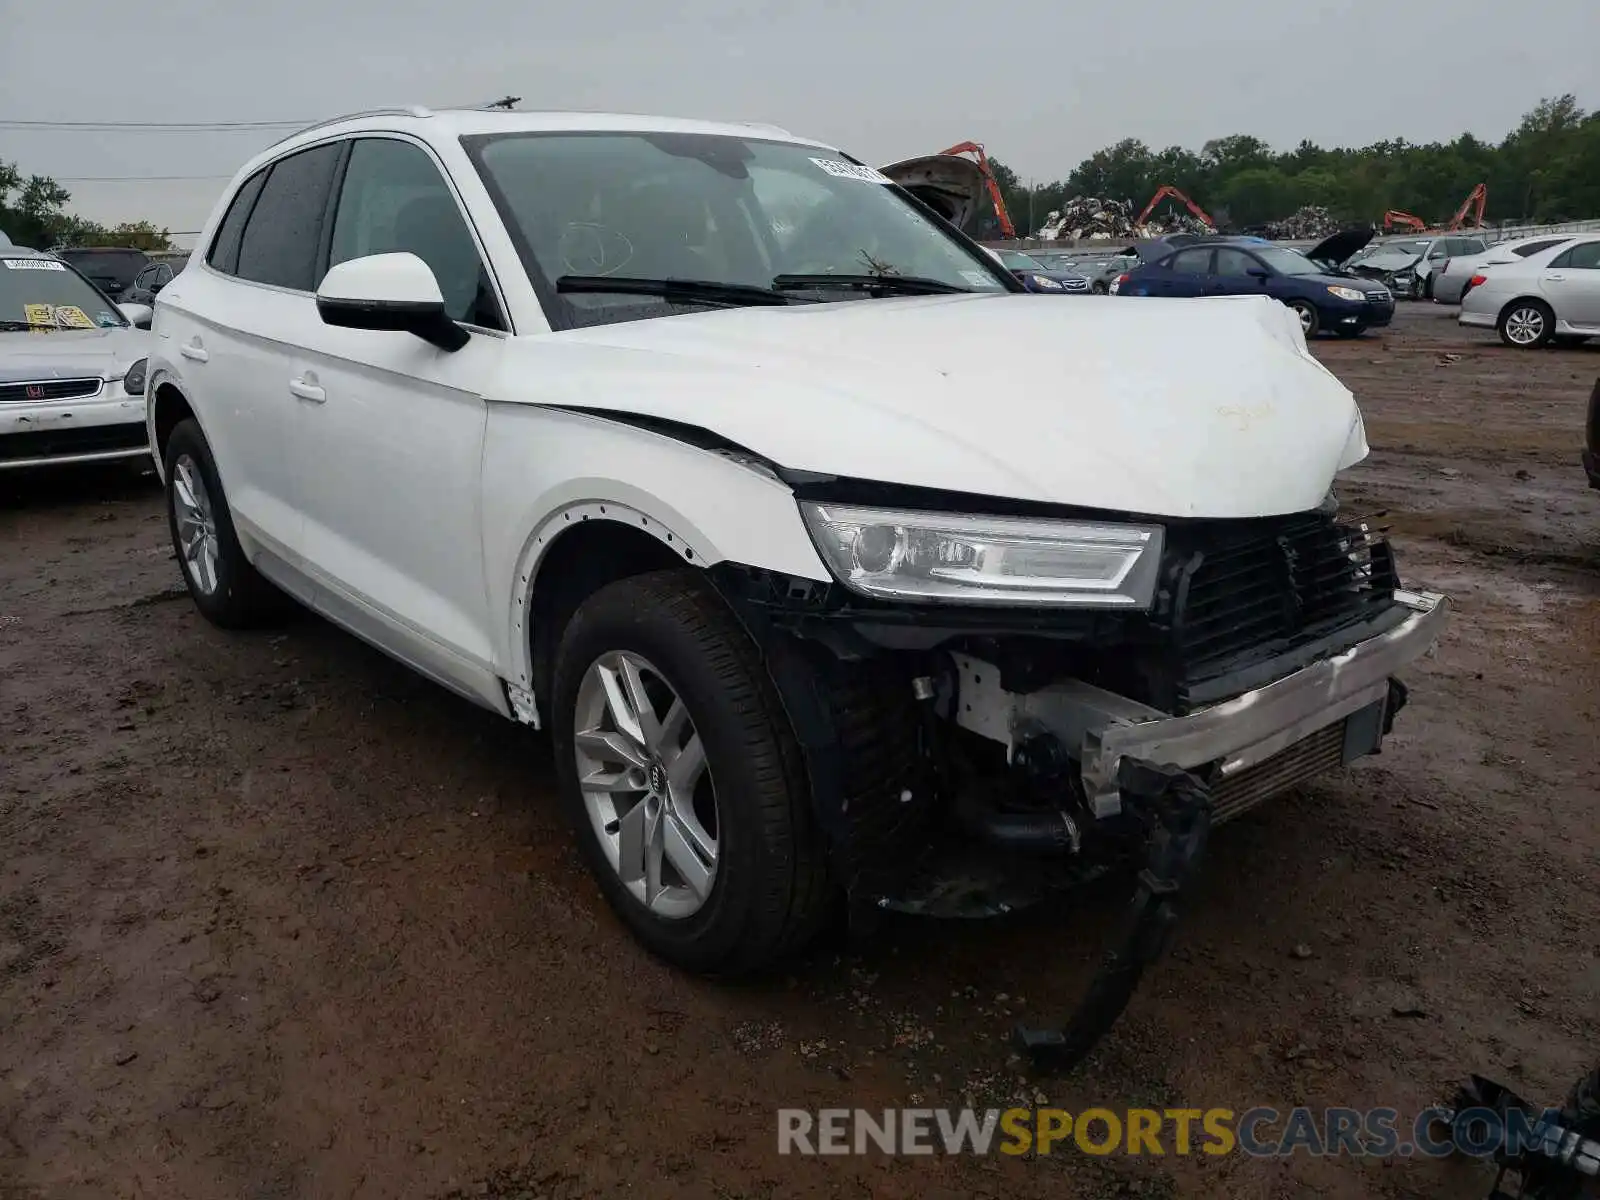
(1319, 754)
(48, 389)
(1240, 592)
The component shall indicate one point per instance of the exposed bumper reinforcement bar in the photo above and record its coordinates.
(1101, 728)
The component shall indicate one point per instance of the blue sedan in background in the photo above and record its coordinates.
(1341, 304)
(1037, 277)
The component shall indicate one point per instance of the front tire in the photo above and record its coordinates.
(1526, 324)
(682, 778)
(1309, 320)
(227, 590)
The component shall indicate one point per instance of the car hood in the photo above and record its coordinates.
(1342, 246)
(948, 183)
(71, 353)
(1339, 278)
(1386, 261)
(1166, 407)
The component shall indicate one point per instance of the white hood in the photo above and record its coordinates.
(71, 353)
(1183, 408)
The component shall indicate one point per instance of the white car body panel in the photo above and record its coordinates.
(1573, 294)
(413, 499)
(104, 354)
(911, 391)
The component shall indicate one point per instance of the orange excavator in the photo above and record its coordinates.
(1162, 193)
(1474, 204)
(1475, 201)
(1007, 229)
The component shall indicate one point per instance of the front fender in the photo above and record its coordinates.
(545, 470)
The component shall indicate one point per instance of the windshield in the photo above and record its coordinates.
(1286, 261)
(41, 293)
(117, 266)
(1015, 260)
(708, 208)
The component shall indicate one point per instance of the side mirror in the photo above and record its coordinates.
(393, 292)
(137, 315)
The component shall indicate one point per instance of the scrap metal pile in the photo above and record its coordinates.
(1311, 221)
(1098, 219)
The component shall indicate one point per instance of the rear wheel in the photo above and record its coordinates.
(1307, 313)
(1526, 324)
(682, 777)
(226, 589)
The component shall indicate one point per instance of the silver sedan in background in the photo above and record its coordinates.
(1450, 281)
(1552, 295)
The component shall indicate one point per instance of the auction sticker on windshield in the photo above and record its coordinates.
(844, 170)
(34, 264)
(70, 316)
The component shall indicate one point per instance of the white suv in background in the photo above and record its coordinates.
(826, 555)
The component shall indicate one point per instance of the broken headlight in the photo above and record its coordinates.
(952, 559)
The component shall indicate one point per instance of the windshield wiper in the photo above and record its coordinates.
(905, 285)
(21, 326)
(673, 291)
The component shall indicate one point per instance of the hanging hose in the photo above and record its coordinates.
(1175, 809)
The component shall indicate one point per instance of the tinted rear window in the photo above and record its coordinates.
(121, 266)
(224, 254)
(284, 233)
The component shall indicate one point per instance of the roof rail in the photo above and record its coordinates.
(404, 110)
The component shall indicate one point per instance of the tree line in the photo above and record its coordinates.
(33, 212)
(1547, 169)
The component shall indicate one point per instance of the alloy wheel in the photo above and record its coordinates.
(1524, 326)
(197, 527)
(641, 766)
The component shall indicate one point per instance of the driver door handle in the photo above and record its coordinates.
(307, 389)
(1555, 277)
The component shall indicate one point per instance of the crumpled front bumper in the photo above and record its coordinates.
(1345, 698)
(1249, 729)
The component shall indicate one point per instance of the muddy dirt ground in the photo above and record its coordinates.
(278, 919)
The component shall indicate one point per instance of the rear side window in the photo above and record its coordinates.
(224, 254)
(1190, 262)
(284, 233)
(1585, 256)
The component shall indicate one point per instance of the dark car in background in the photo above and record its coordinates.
(149, 282)
(112, 269)
(1037, 277)
(1339, 303)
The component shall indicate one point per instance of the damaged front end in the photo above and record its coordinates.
(967, 759)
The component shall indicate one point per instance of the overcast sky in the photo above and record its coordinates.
(1042, 82)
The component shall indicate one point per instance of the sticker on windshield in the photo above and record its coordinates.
(40, 316)
(70, 316)
(34, 264)
(105, 320)
(844, 170)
